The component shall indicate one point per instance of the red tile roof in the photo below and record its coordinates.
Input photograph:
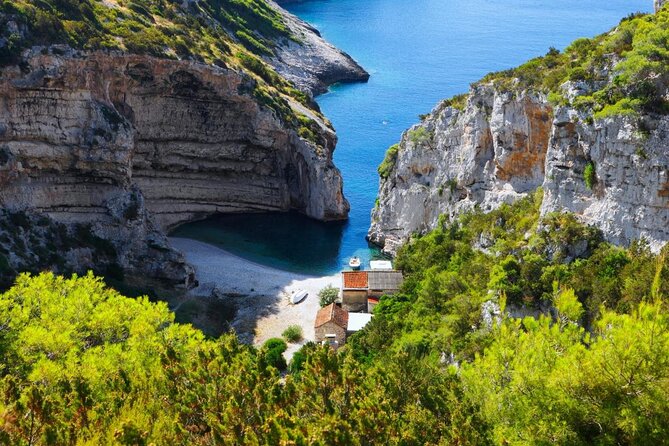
(355, 279)
(332, 313)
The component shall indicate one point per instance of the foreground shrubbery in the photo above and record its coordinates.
(438, 364)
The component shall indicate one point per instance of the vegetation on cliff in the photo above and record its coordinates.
(205, 30)
(440, 363)
(624, 71)
(226, 33)
(627, 69)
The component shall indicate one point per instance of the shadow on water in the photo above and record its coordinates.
(286, 241)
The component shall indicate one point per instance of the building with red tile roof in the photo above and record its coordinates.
(331, 325)
(358, 286)
(353, 280)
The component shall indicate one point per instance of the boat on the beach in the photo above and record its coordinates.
(298, 296)
(354, 262)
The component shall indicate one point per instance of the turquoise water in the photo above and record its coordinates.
(418, 52)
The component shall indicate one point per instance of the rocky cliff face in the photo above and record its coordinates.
(309, 61)
(503, 145)
(134, 145)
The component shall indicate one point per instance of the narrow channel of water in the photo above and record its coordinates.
(418, 53)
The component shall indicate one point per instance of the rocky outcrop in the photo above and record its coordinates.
(504, 145)
(309, 61)
(628, 194)
(491, 152)
(81, 134)
(659, 4)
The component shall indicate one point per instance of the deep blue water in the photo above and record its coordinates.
(418, 52)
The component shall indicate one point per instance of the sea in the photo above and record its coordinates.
(418, 53)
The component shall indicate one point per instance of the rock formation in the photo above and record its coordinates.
(309, 61)
(102, 152)
(503, 145)
(659, 4)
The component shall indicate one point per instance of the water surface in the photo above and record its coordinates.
(418, 52)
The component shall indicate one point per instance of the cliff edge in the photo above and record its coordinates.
(309, 61)
(589, 126)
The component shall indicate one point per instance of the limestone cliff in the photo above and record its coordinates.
(589, 125)
(120, 120)
(309, 61)
(612, 172)
(82, 131)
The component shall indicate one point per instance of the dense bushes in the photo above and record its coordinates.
(554, 383)
(440, 363)
(328, 295)
(627, 69)
(272, 353)
(508, 252)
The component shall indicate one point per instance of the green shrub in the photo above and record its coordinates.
(293, 334)
(590, 175)
(458, 102)
(272, 353)
(328, 295)
(420, 136)
(389, 161)
(260, 68)
(300, 357)
(275, 343)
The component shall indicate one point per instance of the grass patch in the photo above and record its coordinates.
(293, 334)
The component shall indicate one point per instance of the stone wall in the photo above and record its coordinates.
(331, 328)
(354, 300)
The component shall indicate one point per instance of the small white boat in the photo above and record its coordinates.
(354, 262)
(298, 296)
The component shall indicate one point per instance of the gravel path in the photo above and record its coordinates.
(261, 293)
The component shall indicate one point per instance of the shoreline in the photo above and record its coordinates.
(260, 293)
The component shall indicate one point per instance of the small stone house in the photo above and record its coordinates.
(361, 290)
(331, 325)
(384, 282)
(354, 290)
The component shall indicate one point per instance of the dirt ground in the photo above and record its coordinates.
(260, 294)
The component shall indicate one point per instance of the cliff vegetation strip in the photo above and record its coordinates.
(227, 33)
